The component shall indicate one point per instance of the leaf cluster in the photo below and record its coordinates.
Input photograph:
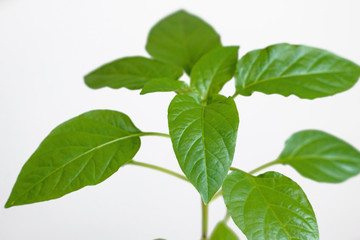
(203, 127)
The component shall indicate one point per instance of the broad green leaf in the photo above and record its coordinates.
(181, 39)
(320, 156)
(203, 137)
(269, 206)
(223, 232)
(163, 85)
(82, 151)
(131, 73)
(286, 69)
(213, 70)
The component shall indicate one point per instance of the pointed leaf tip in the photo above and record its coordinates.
(181, 39)
(321, 156)
(213, 70)
(299, 70)
(203, 138)
(131, 73)
(82, 151)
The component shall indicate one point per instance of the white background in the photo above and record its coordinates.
(47, 46)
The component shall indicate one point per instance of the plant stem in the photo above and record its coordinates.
(218, 194)
(154, 134)
(234, 169)
(227, 216)
(235, 94)
(204, 209)
(161, 169)
(263, 167)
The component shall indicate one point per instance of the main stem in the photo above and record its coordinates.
(204, 209)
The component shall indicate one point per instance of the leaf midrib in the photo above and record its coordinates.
(291, 76)
(74, 159)
(214, 74)
(269, 206)
(204, 149)
(290, 160)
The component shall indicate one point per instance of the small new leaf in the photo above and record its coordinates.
(163, 85)
(269, 206)
(82, 151)
(203, 137)
(181, 39)
(213, 70)
(287, 69)
(320, 156)
(131, 73)
(223, 232)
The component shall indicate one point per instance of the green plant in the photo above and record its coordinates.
(203, 127)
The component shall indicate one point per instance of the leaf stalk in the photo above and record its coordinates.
(266, 165)
(157, 168)
(155, 134)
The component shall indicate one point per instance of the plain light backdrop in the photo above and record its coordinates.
(47, 46)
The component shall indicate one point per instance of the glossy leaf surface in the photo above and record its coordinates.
(213, 70)
(269, 206)
(303, 71)
(203, 137)
(223, 232)
(131, 73)
(320, 156)
(163, 85)
(82, 151)
(181, 39)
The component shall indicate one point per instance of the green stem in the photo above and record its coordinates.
(161, 169)
(263, 167)
(154, 134)
(204, 209)
(218, 194)
(227, 216)
(234, 169)
(235, 94)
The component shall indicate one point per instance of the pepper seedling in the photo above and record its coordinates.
(203, 127)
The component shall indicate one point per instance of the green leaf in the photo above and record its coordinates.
(203, 137)
(269, 206)
(82, 151)
(213, 70)
(181, 39)
(286, 69)
(320, 156)
(223, 232)
(163, 85)
(131, 73)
